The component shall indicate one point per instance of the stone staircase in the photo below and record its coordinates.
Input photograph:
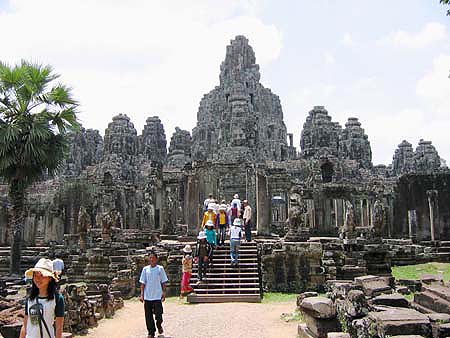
(224, 283)
(30, 256)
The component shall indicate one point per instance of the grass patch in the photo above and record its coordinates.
(415, 271)
(278, 297)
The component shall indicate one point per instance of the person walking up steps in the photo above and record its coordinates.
(209, 215)
(235, 241)
(187, 271)
(235, 207)
(222, 223)
(153, 292)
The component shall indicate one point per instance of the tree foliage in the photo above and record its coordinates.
(36, 114)
(446, 2)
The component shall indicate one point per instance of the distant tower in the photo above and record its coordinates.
(153, 144)
(354, 144)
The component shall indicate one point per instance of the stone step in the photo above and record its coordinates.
(223, 283)
(217, 264)
(245, 298)
(227, 259)
(230, 274)
(237, 279)
(200, 289)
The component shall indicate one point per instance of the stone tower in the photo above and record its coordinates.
(240, 120)
(86, 149)
(426, 157)
(403, 160)
(120, 140)
(320, 136)
(120, 149)
(152, 142)
(180, 148)
(354, 144)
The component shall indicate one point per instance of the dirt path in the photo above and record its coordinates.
(181, 320)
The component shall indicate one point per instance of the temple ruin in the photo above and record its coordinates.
(323, 211)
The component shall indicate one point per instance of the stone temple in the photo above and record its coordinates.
(322, 211)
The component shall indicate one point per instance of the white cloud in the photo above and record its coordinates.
(138, 57)
(329, 58)
(431, 33)
(347, 39)
(434, 86)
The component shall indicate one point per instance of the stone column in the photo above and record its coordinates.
(432, 194)
(361, 209)
(262, 204)
(336, 214)
(191, 202)
(412, 223)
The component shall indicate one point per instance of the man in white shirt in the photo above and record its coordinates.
(247, 217)
(207, 201)
(58, 267)
(153, 292)
(235, 241)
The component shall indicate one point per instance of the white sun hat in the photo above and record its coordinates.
(45, 267)
(237, 221)
(223, 207)
(201, 235)
(187, 249)
(209, 223)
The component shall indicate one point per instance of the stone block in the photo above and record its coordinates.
(355, 305)
(373, 285)
(394, 299)
(442, 318)
(304, 295)
(338, 335)
(432, 302)
(304, 332)
(321, 327)
(398, 321)
(318, 307)
(442, 330)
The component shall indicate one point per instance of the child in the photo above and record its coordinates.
(187, 271)
(222, 223)
(203, 252)
(44, 308)
(211, 236)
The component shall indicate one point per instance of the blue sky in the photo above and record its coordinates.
(385, 62)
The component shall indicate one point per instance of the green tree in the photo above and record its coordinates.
(36, 114)
(446, 2)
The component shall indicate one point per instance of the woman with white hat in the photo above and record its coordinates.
(187, 270)
(44, 308)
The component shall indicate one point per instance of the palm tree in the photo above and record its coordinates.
(34, 122)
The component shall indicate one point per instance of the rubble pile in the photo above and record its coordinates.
(372, 307)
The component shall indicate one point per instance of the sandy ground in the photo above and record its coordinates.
(182, 320)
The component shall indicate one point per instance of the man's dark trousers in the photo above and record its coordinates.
(248, 232)
(153, 307)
